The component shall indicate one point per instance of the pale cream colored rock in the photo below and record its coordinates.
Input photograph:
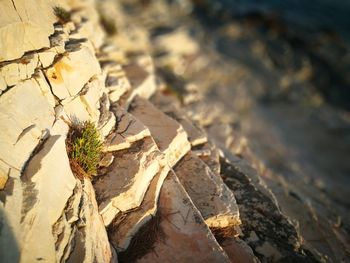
(44, 88)
(123, 186)
(208, 192)
(168, 104)
(89, 21)
(63, 230)
(90, 96)
(126, 226)
(183, 235)
(3, 85)
(85, 106)
(143, 83)
(109, 126)
(90, 241)
(22, 29)
(25, 115)
(47, 57)
(129, 35)
(128, 130)
(118, 85)
(76, 110)
(111, 51)
(69, 74)
(18, 70)
(3, 178)
(60, 127)
(106, 160)
(169, 135)
(178, 42)
(47, 202)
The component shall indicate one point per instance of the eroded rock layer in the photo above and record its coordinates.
(165, 191)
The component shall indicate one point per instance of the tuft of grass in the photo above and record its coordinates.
(62, 14)
(84, 149)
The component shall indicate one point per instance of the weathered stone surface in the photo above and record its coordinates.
(143, 83)
(3, 178)
(22, 29)
(90, 242)
(208, 192)
(126, 226)
(25, 115)
(178, 42)
(238, 251)
(183, 235)
(124, 184)
(210, 154)
(69, 74)
(128, 130)
(86, 105)
(20, 69)
(46, 203)
(117, 83)
(76, 110)
(89, 21)
(266, 230)
(169, 135)
(170, 105)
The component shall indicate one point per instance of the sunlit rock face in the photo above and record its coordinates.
(161, 192)
(22, 29)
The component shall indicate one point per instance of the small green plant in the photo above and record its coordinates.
(62, 14)
(85, 149)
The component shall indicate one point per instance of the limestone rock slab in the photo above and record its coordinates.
(209, 193)
(22, 29)
(169, 135)
(117, 83)
(46, 202)
(128, 130)
(185, 236)
(90, 241)
(25, 115)
(168, 105)
(126, 226)
(69, 74)
(20, 69)
(124, 183)
(142, 82)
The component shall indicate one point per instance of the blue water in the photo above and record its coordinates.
(310, 14)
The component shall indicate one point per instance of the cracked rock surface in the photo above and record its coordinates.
(169, 186)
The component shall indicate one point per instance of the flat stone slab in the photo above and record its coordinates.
(126, 226)
(25, 115)
(69, 74)
(182, 235)
(168, 104)
(123, 184)
(46, 202)
(22, 29)
(208, 192)
(142, 82)
(169, 135)
(89, 242)
(128, 130)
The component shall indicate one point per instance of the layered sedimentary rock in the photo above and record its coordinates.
(159, 194)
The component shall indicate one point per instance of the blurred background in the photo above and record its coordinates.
(278, 73)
